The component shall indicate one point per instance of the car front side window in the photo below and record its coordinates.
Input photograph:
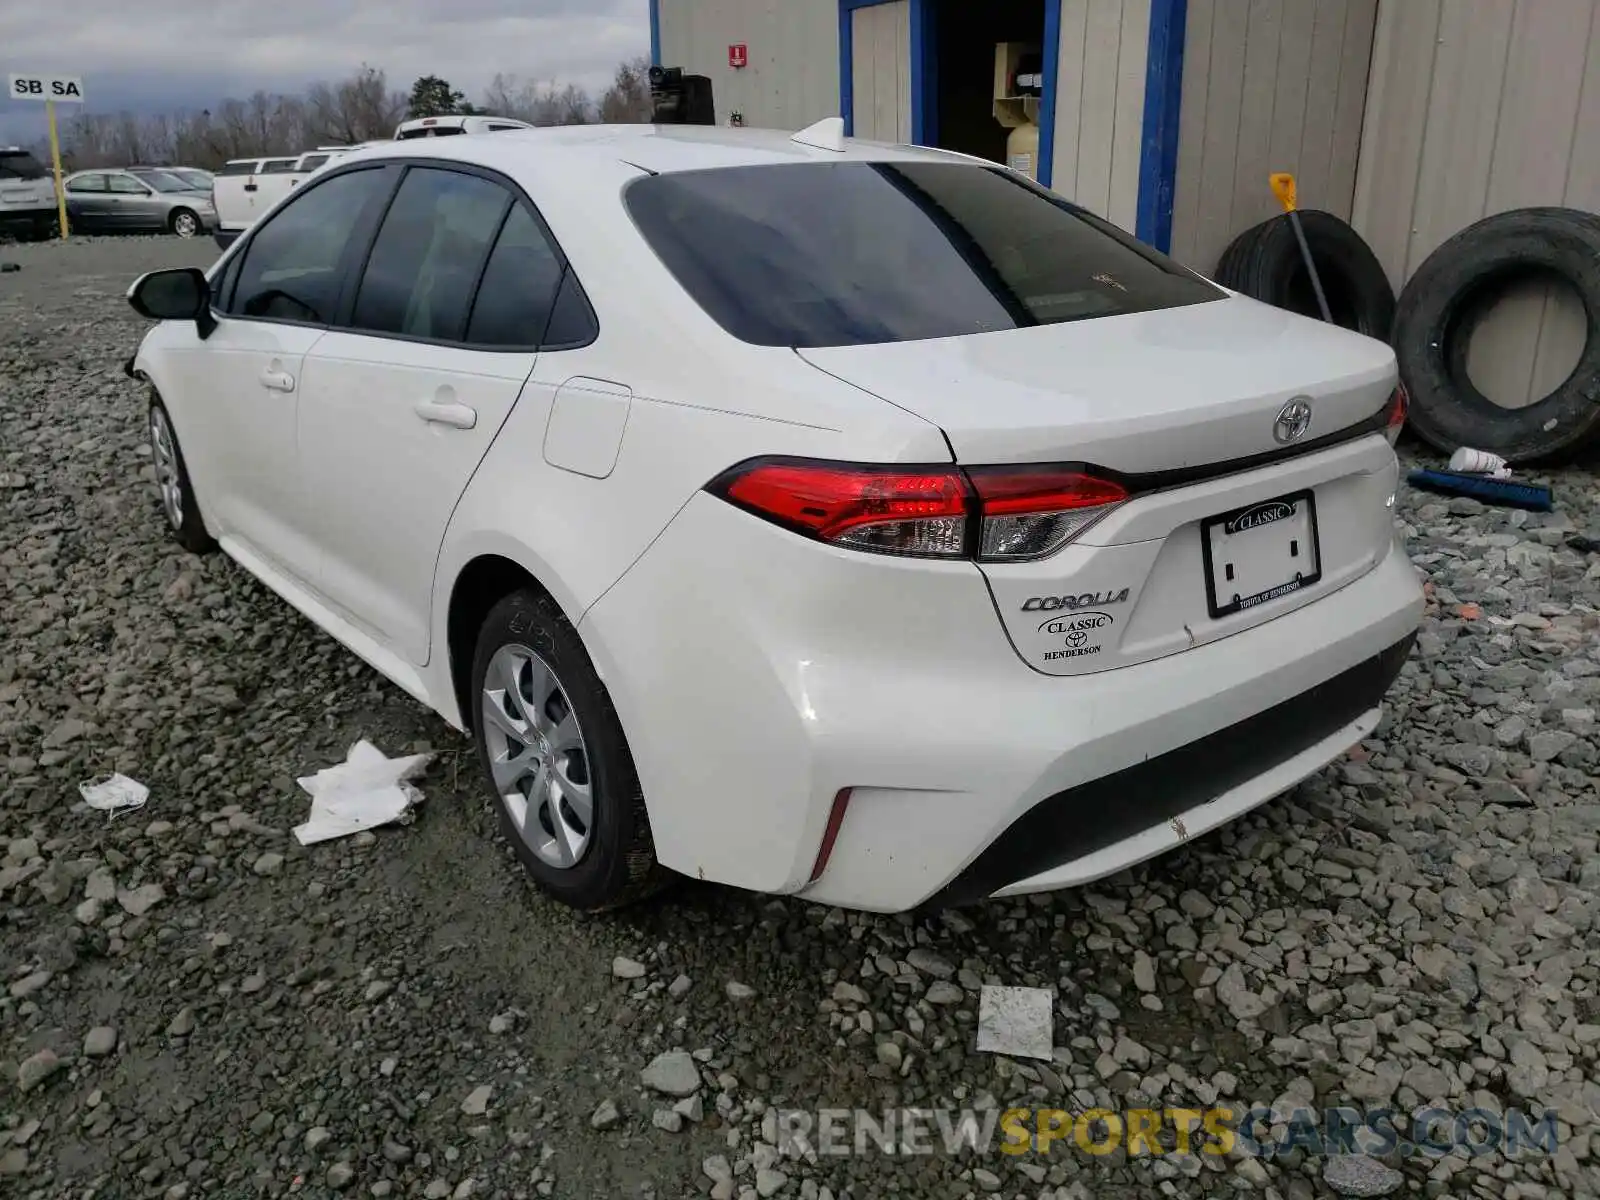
(294, 264)
(127, 185)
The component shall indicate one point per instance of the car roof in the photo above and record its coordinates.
(658, 149)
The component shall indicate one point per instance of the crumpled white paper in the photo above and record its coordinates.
(1018, 1021)
(368, 789)
(114, 795)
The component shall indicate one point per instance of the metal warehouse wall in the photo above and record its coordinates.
(880, 40)
(1268, 85)
(1100, 94)
(1476, 107)
(793, 76)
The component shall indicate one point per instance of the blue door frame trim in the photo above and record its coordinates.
(655, 33)
(1047, 100)
(1158, 143)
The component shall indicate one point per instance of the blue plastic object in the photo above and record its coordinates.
(1490, 491)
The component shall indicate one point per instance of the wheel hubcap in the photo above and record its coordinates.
(185, 226)
(167, 478)
(537, 756)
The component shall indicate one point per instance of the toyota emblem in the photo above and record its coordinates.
(1294, 418)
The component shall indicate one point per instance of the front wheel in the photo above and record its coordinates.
(185, 224)
(553, 750)
(178, 504)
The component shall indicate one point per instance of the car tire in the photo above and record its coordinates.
(1440, 306)
(1265, 263)
(549, 744)
(178, 503)
(184, 223)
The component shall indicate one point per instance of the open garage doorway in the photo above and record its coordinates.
(963, 60)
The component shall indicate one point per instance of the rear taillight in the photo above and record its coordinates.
(1394, 415)
(890, 510)
(993, 514)
(1031, 512)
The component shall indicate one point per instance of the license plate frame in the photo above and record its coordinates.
(1298, 583)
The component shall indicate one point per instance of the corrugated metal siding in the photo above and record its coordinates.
(793, 76)
(1100, 105)
(880, 45)
(1477, 107)
(1268, 85)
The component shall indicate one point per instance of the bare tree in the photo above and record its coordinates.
(360, 108)
(627, 100)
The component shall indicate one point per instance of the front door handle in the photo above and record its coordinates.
(457, 416)
(277, 381)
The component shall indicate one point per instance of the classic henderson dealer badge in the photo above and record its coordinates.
(1082, 634)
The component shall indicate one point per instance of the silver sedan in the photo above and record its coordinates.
(109, 201)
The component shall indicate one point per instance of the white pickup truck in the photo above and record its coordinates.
(246, 187)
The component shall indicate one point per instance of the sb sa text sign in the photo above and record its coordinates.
(62, 89)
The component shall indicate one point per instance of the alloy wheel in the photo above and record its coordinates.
(537, 756)
(184, 225)
(168, 479)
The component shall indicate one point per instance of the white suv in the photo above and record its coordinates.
(27, 193)
(855, 521)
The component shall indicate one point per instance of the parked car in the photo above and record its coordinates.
(427, 127)
(820, 517)
(27, 194)
(194, 177)
(112, 201)
(247, 187)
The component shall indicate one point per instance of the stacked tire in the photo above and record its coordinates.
(1457, 285)
(1265, 263)
(1431, 326)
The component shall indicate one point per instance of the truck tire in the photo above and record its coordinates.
(1265, 263)
(1440, 306)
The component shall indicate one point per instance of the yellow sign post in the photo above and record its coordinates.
(55, 163)
(68, 89)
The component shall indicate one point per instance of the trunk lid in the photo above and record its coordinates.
(1172, 395)
(1141, 392)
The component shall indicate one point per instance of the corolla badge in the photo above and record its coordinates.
(1294, 418)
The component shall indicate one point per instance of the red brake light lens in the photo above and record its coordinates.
(996, 514)
(891, 510)
(1395, 413)
(1031, 512)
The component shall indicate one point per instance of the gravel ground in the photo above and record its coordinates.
(196, 1006)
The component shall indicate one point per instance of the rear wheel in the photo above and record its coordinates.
(185, 224)
(178, 503)
(554, 753)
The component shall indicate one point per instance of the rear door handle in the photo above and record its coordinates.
(277, 381)
(457, 416)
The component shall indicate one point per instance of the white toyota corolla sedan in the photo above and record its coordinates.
(816, 516)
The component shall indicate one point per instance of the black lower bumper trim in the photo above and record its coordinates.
(225, 237)
(1104, 811)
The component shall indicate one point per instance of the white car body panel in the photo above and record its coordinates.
(757, 673)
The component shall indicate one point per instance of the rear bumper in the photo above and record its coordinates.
(758, 674)
(1097, 828)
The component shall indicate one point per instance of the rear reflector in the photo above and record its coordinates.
(994, 514)
(1395, 413)
(830, 834)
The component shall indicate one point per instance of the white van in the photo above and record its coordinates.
(420, 127)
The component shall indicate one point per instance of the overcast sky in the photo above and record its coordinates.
(174, 54)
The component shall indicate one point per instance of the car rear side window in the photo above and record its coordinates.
(19, 164)
(420, 277)
(87, 183)
(292, 267)
(243, 167)
(519, 286)
(835, 254)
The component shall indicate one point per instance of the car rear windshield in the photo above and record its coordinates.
(428, 131)
(19, 164)
(839, 254)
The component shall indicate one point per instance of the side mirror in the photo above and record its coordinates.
(181, 294)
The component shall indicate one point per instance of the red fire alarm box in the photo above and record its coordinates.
(738, 56)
